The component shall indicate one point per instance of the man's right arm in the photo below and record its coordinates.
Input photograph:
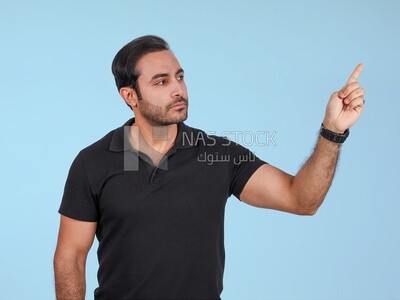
(74, 241)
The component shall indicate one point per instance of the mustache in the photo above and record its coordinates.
(178, 100)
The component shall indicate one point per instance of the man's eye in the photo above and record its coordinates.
(161, 82)
(180, 77)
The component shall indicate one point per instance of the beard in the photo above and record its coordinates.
(162, 116)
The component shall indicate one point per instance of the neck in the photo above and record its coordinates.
(154, 141)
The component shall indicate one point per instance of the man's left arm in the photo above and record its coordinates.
(270, 187)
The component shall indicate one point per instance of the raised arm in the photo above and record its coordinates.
(270, 187)
(74, 241)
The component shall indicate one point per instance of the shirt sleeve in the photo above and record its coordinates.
(243, 165)
(78, 201)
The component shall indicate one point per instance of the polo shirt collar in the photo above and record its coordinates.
(120, 140)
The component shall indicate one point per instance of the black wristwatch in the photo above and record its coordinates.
(333, 136)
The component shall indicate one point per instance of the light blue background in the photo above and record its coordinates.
(250, 65)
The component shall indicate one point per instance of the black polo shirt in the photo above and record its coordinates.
(160, 229)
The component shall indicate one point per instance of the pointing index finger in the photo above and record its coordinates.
(354, 76)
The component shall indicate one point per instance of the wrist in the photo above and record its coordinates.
(333, 136)
(328, 125)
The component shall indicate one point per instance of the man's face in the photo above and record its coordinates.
(162, 87)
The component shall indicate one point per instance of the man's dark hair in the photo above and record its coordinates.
(124, 63)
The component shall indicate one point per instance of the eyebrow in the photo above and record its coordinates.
(166, 74)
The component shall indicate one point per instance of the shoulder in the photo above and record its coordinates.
(99, 147)
(114, 141)
(105, 152)
(97, 161)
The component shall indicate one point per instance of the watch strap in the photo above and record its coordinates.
(333, 136)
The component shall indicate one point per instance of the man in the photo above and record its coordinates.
(154, 190)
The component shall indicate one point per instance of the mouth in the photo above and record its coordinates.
(179, 105)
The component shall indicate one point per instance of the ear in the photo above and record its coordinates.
(129, 95)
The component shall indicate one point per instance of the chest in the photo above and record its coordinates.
(184, 193)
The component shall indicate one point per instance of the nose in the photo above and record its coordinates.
(178, 89)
